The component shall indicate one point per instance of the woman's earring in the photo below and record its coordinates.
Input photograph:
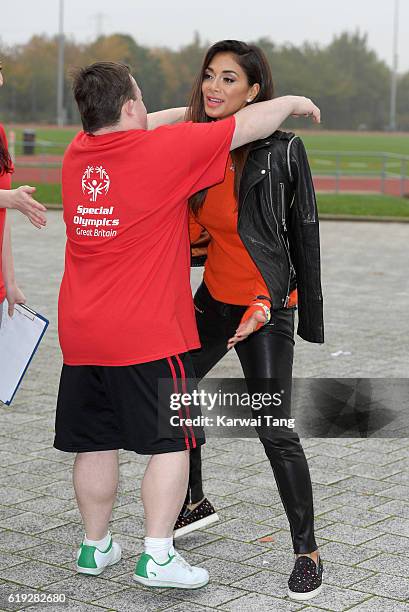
(249, 100)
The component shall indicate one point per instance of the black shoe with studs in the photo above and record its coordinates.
(199, 518)
(305, 581)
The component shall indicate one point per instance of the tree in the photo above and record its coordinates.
(403, 103)
(180, 69)
(346, 78)
(145, 66)
(359, 88)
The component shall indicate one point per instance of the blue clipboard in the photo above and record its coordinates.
(20, 337)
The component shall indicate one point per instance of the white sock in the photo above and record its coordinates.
(100, 544)
(158, 548)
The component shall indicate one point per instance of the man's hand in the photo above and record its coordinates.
(304, 107)
(14, 296)
(253, 323)
(20, 199)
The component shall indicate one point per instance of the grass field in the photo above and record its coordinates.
(342, 204)
(313, 139)
(359, 141)
(328, 152)
(48, 193)
(52, 141)
(359, 153)
(362, 205)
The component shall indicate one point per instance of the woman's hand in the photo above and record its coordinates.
(20, 199)
(14, 296)
(256, 320)
(304, 107)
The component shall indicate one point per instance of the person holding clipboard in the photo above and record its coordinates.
(126, 315)
(19, 199)
(21, 334)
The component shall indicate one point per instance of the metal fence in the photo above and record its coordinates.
(381, 172)
(333, 171)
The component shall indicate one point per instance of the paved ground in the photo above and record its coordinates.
(361, 486)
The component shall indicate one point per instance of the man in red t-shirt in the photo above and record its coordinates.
(126, 315)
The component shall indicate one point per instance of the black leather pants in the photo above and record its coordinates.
(265, 355)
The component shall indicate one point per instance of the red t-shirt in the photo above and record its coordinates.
(5, 183)
(125, 296)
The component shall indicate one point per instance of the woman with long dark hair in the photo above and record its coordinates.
(19, 199)
(257, 235)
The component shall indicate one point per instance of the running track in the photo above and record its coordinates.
(38, 170)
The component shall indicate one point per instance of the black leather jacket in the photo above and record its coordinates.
(278, 225)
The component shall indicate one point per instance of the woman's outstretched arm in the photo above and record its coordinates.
(166, 117)
(261, 119)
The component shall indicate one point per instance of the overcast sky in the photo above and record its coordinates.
(172, 22)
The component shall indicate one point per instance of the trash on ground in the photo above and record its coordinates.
(266, 539)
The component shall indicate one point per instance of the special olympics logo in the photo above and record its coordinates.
(95, 181)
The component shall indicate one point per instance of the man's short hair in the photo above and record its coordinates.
(100, 91)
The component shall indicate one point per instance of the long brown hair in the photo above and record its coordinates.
(256, 67)
(5, 159)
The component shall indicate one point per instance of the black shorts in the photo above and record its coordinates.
(112, 407)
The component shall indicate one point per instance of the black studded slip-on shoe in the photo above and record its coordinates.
(305, 581)
(199, 518)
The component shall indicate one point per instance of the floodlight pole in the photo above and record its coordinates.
(394, 75)
(99, 21)
(60, 73)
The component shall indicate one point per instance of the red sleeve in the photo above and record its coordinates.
(252, 308)
(194, 154)
(209, 150)
(259, 288)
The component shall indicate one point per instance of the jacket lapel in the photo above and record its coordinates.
(255, 172)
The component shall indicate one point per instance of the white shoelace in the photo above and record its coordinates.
(181, 561)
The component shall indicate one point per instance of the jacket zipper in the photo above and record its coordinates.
(278, 230)
(285, 225)
(285, 240)
(271, 188)
(283, 207)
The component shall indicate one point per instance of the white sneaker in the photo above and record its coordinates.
(92, 561)
(175, 572)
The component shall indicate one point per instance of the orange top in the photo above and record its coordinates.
(230, 274)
